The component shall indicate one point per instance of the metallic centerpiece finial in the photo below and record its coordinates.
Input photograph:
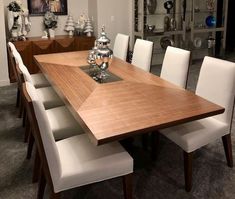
(101, 55)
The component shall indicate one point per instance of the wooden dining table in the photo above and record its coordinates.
(138, 102)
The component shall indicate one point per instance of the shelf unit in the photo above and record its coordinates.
(190, 25)
(200, 12)
(142, 18)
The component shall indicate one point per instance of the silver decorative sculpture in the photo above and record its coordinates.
(101, 55)
(92, 56)
(152, 5)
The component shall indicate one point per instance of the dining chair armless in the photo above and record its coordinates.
(142, 54)
(121, 46)
(47, 95)
(38, 79)
(61, 121)
(216, 83)
(175, 66)
(12, 63)
(12, 46)
(75, 161)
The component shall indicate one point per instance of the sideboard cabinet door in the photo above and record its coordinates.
(64, 45)
(36, 46)
(25, 50)
(84, 43)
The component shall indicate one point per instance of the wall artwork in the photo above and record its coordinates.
(39, 7)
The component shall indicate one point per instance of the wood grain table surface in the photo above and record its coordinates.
(141, 102)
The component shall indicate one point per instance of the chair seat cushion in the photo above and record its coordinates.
(193, 135)
(83, 163)
(49, 97)
(39, 80)
(62, 123)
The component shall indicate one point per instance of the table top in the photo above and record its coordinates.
(141, 102)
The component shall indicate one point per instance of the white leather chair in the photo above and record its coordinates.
(75, 161)
(216, 83)
(121, 46)
(175, 66)
(62, 123)
(142, 54)
(12, 63)
(47, 95)
(37, 79)
(12, 47)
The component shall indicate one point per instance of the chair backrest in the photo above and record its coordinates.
(12, 61)
(142, 54)
(25, 72)
(175, 66)
(12, 46)
(17, 56)
(121, 46)
(48, 147)
(216, 83)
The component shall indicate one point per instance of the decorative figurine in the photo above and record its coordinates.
(168, 5)
(18, 21)
(166, 41)
(88, 28)
(197, 42)
(152, 5)
(69, 26)
(166, 23)
(210, 4)
(79, 26)
(45, 36)
(101, 56)
(211, 42)
(50, 23)
(172, 24)
(211, 21)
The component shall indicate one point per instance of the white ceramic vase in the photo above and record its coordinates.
(51, 33)
(71, 33)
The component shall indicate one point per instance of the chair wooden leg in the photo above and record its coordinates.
(20, 107)
(228, 149)
(41, 186)
(155, 140)
(24, 117)
(27, 129)
(30, 145)
(145, 141)
(18, 97)
(55, 195)
(127, 186)
(188, 159)
(36, 167)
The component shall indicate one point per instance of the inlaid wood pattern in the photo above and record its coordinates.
(140, 103)
(64, 45)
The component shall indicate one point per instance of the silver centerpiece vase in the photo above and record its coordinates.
(103, 55)
(152, 5)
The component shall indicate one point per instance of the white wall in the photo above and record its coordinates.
(92, 13)
(115, 15)
(4, 79)
(75, 8)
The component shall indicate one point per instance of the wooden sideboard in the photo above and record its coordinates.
(36, 46)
